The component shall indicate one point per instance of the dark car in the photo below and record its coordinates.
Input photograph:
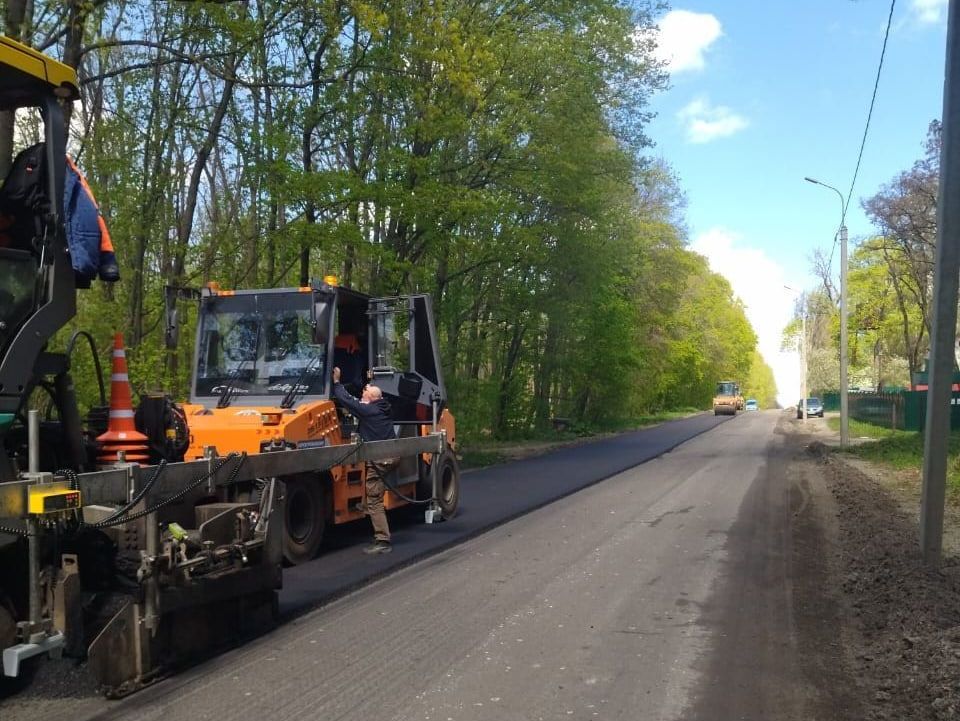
(814, 408)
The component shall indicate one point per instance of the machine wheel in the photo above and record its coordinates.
(305, 518)
(449, 484)
(8, 634)
(8, 625)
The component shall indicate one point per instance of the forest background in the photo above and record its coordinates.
(493, 154)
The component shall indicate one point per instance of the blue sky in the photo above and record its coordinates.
(765, 92)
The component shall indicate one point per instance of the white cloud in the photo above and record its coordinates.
(929, 11)
(705, 122)
(759, 282)
(685, 37)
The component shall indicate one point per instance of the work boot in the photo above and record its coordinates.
(378, 547)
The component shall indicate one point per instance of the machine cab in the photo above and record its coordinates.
(263, 347)
(392, 343)
(278, 347)
(405, 358)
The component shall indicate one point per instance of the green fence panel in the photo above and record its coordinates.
(880, 409)
(903, 410)
(917, 410)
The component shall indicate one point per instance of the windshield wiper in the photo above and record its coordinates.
(227, 394)
(309, 371)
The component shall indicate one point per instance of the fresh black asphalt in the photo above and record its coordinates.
(488, 498)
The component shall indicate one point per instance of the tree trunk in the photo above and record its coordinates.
(15, 18)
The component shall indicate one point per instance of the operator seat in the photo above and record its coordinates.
(348, 357)
(23, 202)
(22, 207)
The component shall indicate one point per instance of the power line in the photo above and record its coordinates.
(866, 129)
(873, 100)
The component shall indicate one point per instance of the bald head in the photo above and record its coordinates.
(371, 394)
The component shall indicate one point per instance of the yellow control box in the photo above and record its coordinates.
(42, 500)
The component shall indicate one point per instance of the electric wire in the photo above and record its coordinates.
(873, 100)
(866, 131)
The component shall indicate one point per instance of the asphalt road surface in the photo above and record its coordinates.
(662, 592)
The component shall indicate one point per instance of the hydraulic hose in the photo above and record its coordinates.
(138, 496)
(393, 489)
(114, 520)
(96, 359)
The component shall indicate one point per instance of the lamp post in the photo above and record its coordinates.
(844, 409)
(803, 351)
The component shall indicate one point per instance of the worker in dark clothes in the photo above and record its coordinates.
(374, 424)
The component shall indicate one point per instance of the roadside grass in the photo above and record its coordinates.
(479, 453)
(867, 430)
(646, 420)
(471, 457)
(901, 450)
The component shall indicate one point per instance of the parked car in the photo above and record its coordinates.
(814, 408)
(751, 405)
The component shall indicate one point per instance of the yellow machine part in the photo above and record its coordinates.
(46, 499)
(26, 73)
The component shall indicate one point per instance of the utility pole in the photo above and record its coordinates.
(844, 383)
(844, 401)
(944, 322)
(802, 296)
(803, 356)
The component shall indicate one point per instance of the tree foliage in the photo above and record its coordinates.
(760, 383)
(492, 154)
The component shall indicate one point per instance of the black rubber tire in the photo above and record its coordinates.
(449, 500)
(449, 470)
(305, 518)
(10, 686)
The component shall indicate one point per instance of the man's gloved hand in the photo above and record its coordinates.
(336, 375)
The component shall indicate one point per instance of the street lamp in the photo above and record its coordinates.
(844, 408)
(803, 350)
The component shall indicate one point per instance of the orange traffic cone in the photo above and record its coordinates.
(122, 434)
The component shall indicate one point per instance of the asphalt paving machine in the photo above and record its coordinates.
(142, 557)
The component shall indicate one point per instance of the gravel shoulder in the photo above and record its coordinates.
(899, 622)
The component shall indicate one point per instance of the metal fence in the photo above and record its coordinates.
(880, 409)
(899, 410)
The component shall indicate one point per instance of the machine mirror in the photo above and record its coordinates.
(171, 294)
(171, 335)
(321, 317)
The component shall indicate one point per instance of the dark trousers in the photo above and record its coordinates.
(373, 503)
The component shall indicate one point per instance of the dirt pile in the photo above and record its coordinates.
(904, 619)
